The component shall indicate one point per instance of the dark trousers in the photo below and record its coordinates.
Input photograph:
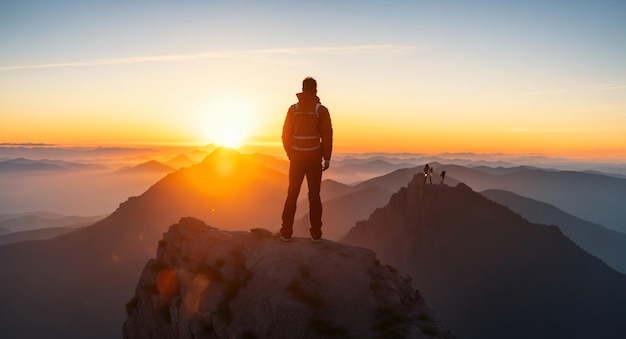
(298, 169)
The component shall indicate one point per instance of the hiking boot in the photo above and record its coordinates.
(316, 240)
(285, 239)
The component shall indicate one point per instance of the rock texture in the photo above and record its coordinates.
(209, 283)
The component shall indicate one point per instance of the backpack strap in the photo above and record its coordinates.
(313, 137)
(317, 107)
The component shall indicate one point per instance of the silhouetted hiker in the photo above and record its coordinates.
(307, 139)
(426, 171)
(430, 174)
(443, 177)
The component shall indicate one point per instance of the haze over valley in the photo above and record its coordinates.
(238, 192)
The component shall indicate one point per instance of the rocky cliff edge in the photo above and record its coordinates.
(209, 283)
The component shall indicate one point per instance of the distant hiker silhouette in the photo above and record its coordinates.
(308, 140)
(443, 177)
(426, 171)
(430, 174)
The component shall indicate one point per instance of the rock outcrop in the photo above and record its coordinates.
(209, 283)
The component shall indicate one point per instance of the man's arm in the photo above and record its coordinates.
(288, 131)
(326, 132)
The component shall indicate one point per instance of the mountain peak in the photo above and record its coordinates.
(207, 282)
(474, 259)
(223, 153)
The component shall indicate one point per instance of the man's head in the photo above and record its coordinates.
(309, 85)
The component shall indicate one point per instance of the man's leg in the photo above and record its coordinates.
(314, 181)
(296, 175)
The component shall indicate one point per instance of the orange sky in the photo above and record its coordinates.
(412, 77)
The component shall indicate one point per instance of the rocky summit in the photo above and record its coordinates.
(210, 283)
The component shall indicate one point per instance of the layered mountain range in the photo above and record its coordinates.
(593, 197)
(604, 243)
(76, 284)
(22, 164)
(485, 270)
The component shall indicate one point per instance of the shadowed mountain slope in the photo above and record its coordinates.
(209, 283)
(488, 272)
(332, 189)
(39, 234)
(75, 285)
(606, 244)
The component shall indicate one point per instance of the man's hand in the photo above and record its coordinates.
(326, 165)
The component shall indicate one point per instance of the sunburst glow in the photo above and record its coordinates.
(229, 123)
(230, 136)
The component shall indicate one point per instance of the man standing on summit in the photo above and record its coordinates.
(308, 140)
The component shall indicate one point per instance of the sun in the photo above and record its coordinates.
(230, 136)
(228, 122)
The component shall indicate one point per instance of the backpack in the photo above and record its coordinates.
(305, 135)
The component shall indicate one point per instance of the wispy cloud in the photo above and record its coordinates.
(28, 144)
(343, 50)
(613, 87)
(541, 130)
(390, 50)
(548, 92)
(554, 130)
(603, 87)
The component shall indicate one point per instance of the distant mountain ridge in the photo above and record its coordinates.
(23, 164)
(488, 272)
(179, 161)
(31, 222)
(39, 234)
(606, 244)
(593, 197)
(148, 166)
